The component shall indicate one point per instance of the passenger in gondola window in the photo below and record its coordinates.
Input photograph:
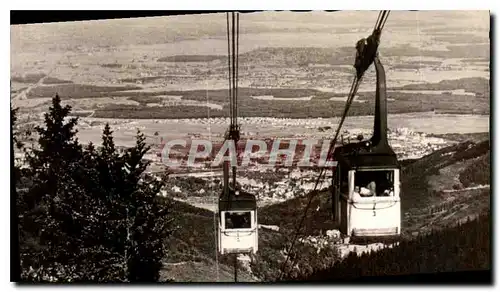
(364, 192)
(372, 187)
(368, 191)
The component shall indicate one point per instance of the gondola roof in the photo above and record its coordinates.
(360, 154)
(242, 201)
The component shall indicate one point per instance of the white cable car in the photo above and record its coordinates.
(366, 188)
(238, 230)
(367, 198)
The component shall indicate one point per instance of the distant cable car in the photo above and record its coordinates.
(366, 185)
(238, 230)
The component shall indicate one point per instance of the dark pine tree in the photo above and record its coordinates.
(150, 225)
(49, 216)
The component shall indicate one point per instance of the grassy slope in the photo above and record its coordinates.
(192, 253)
(415, 176)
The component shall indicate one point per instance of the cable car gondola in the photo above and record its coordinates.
(366, 186)
(237, 229)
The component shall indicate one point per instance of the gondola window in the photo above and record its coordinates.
(238, 220)
(378, 183)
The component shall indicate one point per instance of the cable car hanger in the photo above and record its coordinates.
(238, 227)
(233, 132)
(233, 55)
(366, 50)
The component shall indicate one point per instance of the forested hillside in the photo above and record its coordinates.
(462, 248)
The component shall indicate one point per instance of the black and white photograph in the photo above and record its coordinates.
(340, 146)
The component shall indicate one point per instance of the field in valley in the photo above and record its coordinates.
(152, 77)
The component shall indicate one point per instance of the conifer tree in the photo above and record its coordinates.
(136, 220)
(150, 224)
(50, 217)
